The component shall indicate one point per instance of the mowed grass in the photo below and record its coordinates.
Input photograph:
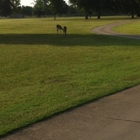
(43, 73)
(131, 28)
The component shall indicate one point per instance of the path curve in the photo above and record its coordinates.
(107, 30)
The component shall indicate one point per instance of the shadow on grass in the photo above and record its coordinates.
(68, 40)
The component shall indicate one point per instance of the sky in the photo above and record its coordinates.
(29, 2)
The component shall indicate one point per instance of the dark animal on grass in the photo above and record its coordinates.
(59, 27)
(65, 30)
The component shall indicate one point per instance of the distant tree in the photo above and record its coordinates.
(0, 7)
(40, 7)
(58, 7)
(98, 7)
(107, 6)
(27, 10)
(131, 6)
(64, 9)
(15, 6)
(72, 10)
(46, 7)
(138, 9)
(5, 7)
(86, 5)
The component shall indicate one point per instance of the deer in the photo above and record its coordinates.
(65, 30)
(59, 27)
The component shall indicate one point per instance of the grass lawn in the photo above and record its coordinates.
(131, 28)
(43, 73)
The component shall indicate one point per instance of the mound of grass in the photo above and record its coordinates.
(43, 73)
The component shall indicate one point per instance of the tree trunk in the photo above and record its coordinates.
(132, 13)
(99, 14)
(86, 14)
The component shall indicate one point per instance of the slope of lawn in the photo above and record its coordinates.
(131, 28)
(43, 73)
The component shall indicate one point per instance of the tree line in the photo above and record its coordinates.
(76, 7)
(40, 8)
(131, 7)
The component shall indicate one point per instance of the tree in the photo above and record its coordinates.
(27, 10)
(58, 7)
(131, 6)
(138, 9)
(98, 6)
(72, 10)
(5, 7)
(86, 5)
(45, 7)
(15, 6)
(40, 7)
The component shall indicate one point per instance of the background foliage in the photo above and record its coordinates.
(76, 7)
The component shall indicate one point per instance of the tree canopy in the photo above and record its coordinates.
(59, 7)
(8, 7)
(98, 6)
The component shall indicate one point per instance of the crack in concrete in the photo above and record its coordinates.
(119, 119)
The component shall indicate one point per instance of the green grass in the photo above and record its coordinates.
(43, 73)
(131, 28)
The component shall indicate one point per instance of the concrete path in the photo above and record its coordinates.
(116, 117)
(107, 30)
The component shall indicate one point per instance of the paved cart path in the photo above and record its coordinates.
(107, 30)
(116, 117)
